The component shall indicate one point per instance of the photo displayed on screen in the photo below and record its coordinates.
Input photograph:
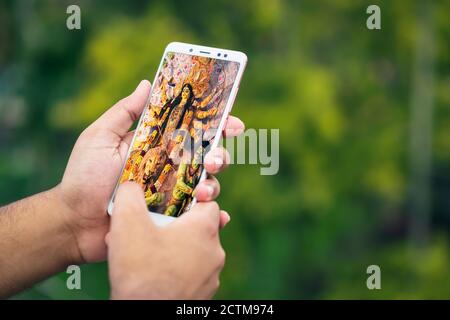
(180, 122)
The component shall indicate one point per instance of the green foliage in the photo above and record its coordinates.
(340, 94)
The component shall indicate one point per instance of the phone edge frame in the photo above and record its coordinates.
(180, 47)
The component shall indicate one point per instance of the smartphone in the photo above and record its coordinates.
(192, 94)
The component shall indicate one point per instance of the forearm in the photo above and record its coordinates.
(35, 241)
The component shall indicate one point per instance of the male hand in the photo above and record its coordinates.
(179, 261)
(94, 167)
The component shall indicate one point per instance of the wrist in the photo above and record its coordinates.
(65, 218)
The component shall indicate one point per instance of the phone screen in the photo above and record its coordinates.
(179, 123)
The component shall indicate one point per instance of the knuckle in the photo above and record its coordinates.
(208, 208)
(213, 206)
(122, 101)
(207, 214)
(213, 212)
(211, 227)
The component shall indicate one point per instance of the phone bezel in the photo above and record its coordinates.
(203, 51)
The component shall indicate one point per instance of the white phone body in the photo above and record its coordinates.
(201, 51)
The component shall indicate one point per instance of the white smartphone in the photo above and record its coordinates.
(192, 94)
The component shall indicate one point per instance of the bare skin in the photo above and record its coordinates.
(42, 234)
(185, 258)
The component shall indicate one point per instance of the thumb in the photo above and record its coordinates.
(130, 211)
(122, 115)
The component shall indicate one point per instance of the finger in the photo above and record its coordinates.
(203, 215)
(224, 219)
(120, 117)
(130, 211)
(233, 127)
(207, 190)
(216, 160)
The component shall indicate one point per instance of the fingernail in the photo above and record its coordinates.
(227, 218)
(140, 84)
(209, 190)
(218, 161)
(238, 131)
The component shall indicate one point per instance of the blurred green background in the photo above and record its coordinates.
(364, 123)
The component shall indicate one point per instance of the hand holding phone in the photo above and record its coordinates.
(182, 261)
(94, 166)
(192, 95)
